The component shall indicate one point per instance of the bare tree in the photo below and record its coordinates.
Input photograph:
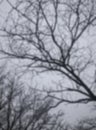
(21, 110)
(51, 35)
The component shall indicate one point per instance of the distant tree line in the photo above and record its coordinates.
(22, 109)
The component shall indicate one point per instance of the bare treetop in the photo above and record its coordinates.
(51, 34)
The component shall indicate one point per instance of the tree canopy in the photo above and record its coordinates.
(53, 35)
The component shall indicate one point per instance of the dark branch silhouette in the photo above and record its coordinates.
(50, 35)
